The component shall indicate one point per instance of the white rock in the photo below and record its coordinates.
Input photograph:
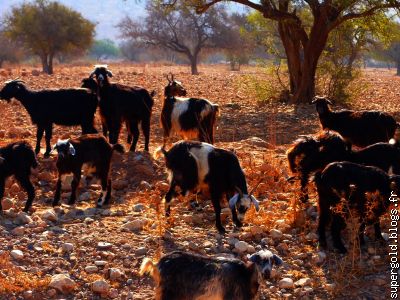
(321, 257)
(241, 246)
(91, 269)
(104, 245)
(141, 251)
(303, 282)
(251, 249)
(67, 247)
(138, 207)
(62, 283)
(286, 283)
(276, 234)
(113, 293)
(115, 274)
(100, 263)
(17, 254)
(135, 225)
(50, 215)
(100, 286)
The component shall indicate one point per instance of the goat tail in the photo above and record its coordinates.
(119, 148)
(160, 151)
(216, 109)
(148, 267)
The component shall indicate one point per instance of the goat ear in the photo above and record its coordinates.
(233, 201)
(172, 77)
(255, 202)
(314, 100)
(277, 260)
(109, 74)
(92, 74)
(71, 150)
(1, 160)
(329, 101)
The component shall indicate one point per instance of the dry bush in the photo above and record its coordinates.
(13, 280)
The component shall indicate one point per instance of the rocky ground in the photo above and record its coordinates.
(81, 252)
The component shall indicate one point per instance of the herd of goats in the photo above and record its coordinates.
(341, 174)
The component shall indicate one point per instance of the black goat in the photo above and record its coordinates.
(181, 275)
(91, 84)
(351, 182)
(17, 159)
(360, 128)
(201, 167)
(66, 107)
(191, 118)
(312, 153)
(120, 103)
(95, 152)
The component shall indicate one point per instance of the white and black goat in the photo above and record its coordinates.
(360, 128)
(16, 160)
(68, 107)
(182, 275)
(201, 167)
(120, 103)
(91, 150)
(349, 182)
(190, 118)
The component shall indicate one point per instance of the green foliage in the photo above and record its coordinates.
(103, 49)
(49, 28)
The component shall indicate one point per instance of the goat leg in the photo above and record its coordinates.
(217, 208)
(28, 187)
(168, 197)
(74, 186)
(49, 133)
(39, 136)
(2, 184)
(337, 225)
(58, 192)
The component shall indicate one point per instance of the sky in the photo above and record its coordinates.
(106, 14)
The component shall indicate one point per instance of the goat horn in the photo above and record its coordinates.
(239, 191)
(167, 76)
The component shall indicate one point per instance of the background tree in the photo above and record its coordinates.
(48, 28)
(178, 28)
(9, 50)
(304, 28)
(103, 49)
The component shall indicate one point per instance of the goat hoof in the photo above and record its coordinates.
(221, 230)
(46, 155)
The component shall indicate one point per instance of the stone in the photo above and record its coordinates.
(321, 257)
(276, 234)
(67, 247)
(144, 185)
(303, 282)
(52, 293)
(104, 246)
(7, 203)
(50, 215)
(100, 286)
(241, 246)
(17, 254)
(286, 283)
(138, 207)
(18, 231)
(91, 269)
(113, 293)
(135, 225)
(62, 283)
(120, 184)
(22, 219)
(66, 183)
(35, 72)
(84, 196)
(141, 251)
(100, 263)
(251, 249)
(28, 295)
(115, 274)
(312, 236)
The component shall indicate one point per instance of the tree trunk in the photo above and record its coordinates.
(398, 67)
(1, 63)
(51, 56)
(193, 64)
(45, 64)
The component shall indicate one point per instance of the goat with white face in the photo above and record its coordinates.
(190, 118)
(92, 150)
(201, 167)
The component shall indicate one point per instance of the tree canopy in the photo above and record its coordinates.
(103, 49)
(48, 28)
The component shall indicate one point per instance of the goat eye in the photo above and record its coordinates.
(242, 209)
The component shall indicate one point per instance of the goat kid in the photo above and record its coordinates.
(201, 167)
(16, 160)
(92, 150)
(349, 182)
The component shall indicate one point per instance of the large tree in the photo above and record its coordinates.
(304, 44)
(178, 28)
(49, 28)
(9, 51)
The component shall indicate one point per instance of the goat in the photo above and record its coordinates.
(17, 159)
(312, 153)
(201, 167)
(66, 107)
(182, 275)
(120, 103)
(91, 84)
(351, 182)
(360, 128)
(95, 152)
(188, 117)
